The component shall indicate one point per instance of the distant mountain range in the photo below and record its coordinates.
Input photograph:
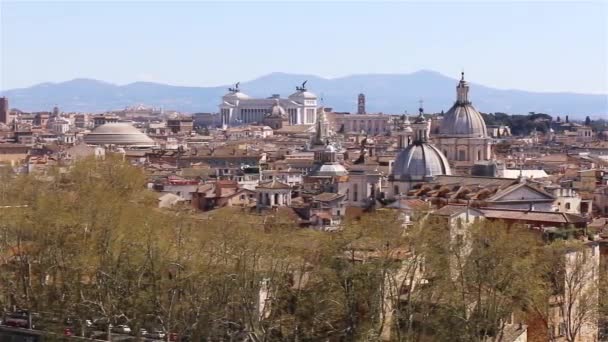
(387, 93)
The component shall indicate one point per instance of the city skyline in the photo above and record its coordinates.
(554, 47)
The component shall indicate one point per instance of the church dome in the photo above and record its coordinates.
(333, 169)
(118, 134)
(463, 120)
(420, 161)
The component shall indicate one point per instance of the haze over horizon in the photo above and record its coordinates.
(232, 82)
(540, 47)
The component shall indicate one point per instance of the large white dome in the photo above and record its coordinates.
(329, 170)
(463, 120)
(118, 134)
(420, 161)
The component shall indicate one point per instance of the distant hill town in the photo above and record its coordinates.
(386, 93)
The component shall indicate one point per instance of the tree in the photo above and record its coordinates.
(588, 121)
(91, 243)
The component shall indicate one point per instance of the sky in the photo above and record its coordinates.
(536, 46)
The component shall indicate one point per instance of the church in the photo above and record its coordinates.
(463, 136)
(461, 141)
(418, 160)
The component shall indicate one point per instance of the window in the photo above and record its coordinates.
(478, 155)
(355, 192)
(567, 205)
(396, 190)
(462, 155)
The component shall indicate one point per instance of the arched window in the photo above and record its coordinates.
(478, 155)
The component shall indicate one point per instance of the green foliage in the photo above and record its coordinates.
(520, 124)
(92, 244)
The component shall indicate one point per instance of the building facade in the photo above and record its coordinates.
(372, 124)
(239, 108)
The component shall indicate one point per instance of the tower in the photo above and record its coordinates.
(361, 104)
(404, 133)
(322, 129)
(4, 111)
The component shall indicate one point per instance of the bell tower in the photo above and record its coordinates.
(361, 104)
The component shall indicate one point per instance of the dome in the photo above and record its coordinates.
(420, 161)
(463, 120)
(118, 134)
(329, 170)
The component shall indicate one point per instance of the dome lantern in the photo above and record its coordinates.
(462, 91)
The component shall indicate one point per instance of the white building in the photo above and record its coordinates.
(60, 125)
(273, 194)
(248, 132)
(372, 124)
(240, 108)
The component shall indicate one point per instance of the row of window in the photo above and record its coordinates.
(462, 155)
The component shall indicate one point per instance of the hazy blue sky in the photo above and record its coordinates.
(543, 46)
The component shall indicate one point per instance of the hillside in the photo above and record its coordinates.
(387, 93)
